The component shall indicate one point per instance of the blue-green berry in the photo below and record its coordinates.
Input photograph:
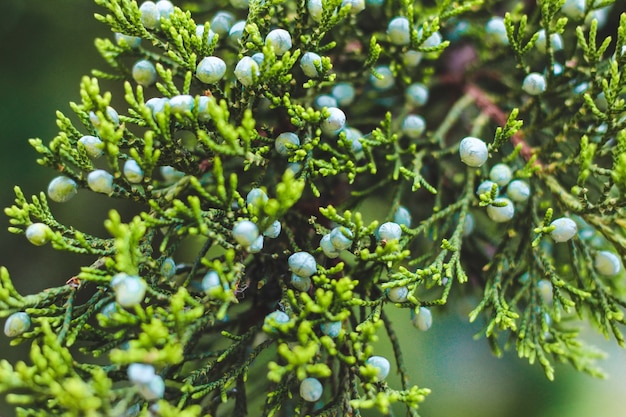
(331, 328)
(256, 197)
(236, 31)
(132, 171)
(534, 84)
(280, 40)
(555, 41)
(422, 318)
(272, 319)
(165, 8)
(496, 30)
(389, 231)
(328, 248)
(153, 390)
(257, 245)
(356, 6)
(144, 73)
(344, 93)
(247, 71)
(38, 234)
(402, 216)
(211, 283)
(303, 264)
(325, 100)
(412, 58)
(156, 105)
(468, 226)
(398, 294)
(140, 373)
(17, 324)
(273, 231)
(149, 14)
(245, 232)
(384, 80)
(200, 34)
(310, 62)
(354, 136)
(300, 283)
(546, 291)
(221, 23)
(564, 229)
(211, 69)
(311, 389)
(111, 115)
(501, 214)
(335, 121)
(473, 151)
(286, 142)
(398, 31)
(607, 263)
(518, 191)
(416, 94)
(486, 187)
(341, 238)
(432, 41)
(168, 268)
(381, 364)
(258, 57)
(170, 174)
(203, 109)
(501, 174)
(413, 126)
(131, 41)
(62, 188)
(182, 104)
(93, 146)
(129, 289)
(315, 9)
(100, 181)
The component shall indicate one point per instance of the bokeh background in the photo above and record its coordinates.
(47, 46)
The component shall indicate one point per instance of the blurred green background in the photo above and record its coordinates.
(45, 48)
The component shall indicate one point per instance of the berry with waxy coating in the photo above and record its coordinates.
(144, 73)
(501, 174)
(303, 264)
(300, 283)
(156, 105)
(211, 69)
(315, 9)
(280, 40)
(473, 151)
(555, 41)
(501, 214)
(422, 318)
(38, 234)
(398, 294)
(256, 197)
(341, 238)
(129, 289)
(518, 191)
(286, 141)
(62, 188)
(413, 126)
(311, 389)
(309, 63)
(154, 389)
(257, 245)
(222, 22)
(356, 6)
(100, 181)
(381, 364)
(534, 84)
(398, 31)
(328, 248)
(325, 100)
(274, 230)
(564, 229)
(496, 30)
(140, 373)
(331, 329)
(245, 232)
(386, 80)
(93, 146)
(389, 231)
(149, 14)
(165, 8)
(334, 122)
(607, 263)
(416, 94)
(236, 31)
(182, 103)
(344, 93)
(402, 216)
(247, 71)
(17, 324)
(132, 41)
(486, 187)
(132, 171)
(273, 318)
(168, 268)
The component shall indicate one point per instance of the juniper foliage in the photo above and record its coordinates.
(236, 329)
